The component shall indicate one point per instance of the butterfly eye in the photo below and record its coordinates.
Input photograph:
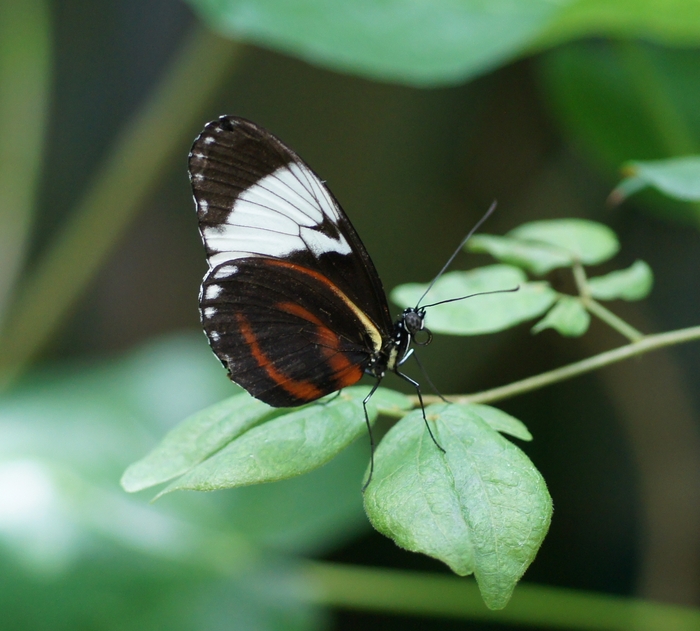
(423, 337)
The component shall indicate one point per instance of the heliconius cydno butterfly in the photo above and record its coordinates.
(292, 304)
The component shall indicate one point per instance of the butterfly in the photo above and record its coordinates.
(292, 304)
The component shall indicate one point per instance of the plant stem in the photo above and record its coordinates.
(644, 345)
(581, 280)
(611, 319)
(25, 77)
(422, 593)
(158, 132)
(599, 310)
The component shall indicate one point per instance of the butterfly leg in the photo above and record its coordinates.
(416, 385)
(427, 377)
(331, 398)
(371, 436)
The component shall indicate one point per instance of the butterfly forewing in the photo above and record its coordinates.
(292, 303)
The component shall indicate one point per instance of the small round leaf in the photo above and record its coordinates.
(567, 317)
(479, 314)
(633, 283)
(675, 177)
(537, 258)
(587, 241)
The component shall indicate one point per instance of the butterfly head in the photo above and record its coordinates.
(413, 320)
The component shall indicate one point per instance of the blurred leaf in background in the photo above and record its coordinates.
(627, 101)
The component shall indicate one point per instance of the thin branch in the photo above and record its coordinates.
(612, 320)
(645, 345)
(581, 280)
(599, 310)
(429, 594)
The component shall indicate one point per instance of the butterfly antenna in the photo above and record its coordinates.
(478, 225)
(481, 293)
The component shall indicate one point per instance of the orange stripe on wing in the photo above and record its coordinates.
(302, 390)
(371, 328)
(345, 373)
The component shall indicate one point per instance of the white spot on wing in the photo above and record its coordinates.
(208, 140)
(225, 271)
(214, 335)
(212, 292)
(204, 206)
(209, 312)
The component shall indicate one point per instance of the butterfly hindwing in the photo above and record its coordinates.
(284, 332)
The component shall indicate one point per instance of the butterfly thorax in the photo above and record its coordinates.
(409, 328)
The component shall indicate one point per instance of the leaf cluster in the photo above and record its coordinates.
(482, 507)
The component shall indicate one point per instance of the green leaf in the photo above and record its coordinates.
(480, 314)
(627, 100)
(537, 258)
(424, 42)
(587, 241)
(389, 401)
(295, 442)
(203, 434)
(675, 177)
(195, 439)
(500, 421)
(677, 24)
(482, 507)
(567, 317)
(633, 283)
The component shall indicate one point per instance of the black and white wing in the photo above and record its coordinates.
(292, 303)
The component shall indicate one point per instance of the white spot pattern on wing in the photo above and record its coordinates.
(277, 216)
(212, 292)
(226, 271)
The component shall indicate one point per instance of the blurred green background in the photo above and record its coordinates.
(418, 115)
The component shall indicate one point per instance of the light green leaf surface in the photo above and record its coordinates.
(633, 283)
(588, 241)
(675, 177)
(480, 314)
(482, 507)
(424, 42)
(671, 22)
(501, 422)
(567, 317)
(295, 442)
(196, 438)
(387, 401)
(537, 258)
